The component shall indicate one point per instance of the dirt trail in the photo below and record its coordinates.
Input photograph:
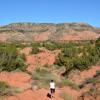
(40, 94)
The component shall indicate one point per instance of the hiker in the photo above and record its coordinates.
(52, 88)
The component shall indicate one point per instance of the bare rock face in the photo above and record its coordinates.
(27, 32)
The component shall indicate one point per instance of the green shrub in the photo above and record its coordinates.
(10, 59)
(98, 73)
(69, 57)
(50, 45)
(66, 96)
(42, 77)
(3, 88)
(67, 82)
(35, 48)
(93, 80)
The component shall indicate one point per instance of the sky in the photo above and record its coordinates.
(50, 11)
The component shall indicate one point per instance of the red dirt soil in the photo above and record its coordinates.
(3, 37)
(85, 35)
(16, 79)
(34, 95)
(23, 80)
(85, 74)
(41, 59)
(42, 37)
(40, 94)
(80, 78)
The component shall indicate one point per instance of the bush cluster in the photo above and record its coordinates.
(79, 57)
(10, 59)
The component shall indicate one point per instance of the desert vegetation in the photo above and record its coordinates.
(93, 84)
(7, 90)
(73, 55)
(10, 59)
(78, 56)
(66, 96)
(42, 77)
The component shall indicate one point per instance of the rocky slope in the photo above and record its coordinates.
(93, 88)
(48, 31)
